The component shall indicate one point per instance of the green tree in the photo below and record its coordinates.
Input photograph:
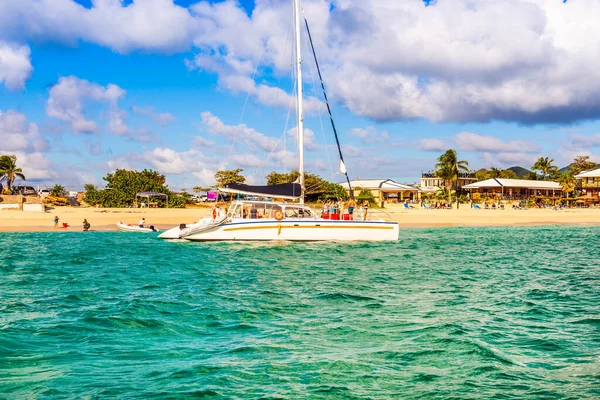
(568, 183)
(494, 173)
(448, 168)
(581, 164)
(334, 191)
(123, 185)
(9, 170)
(481, 174)
(531, 176)
(198, 189)
(365, 194)
(225, 177)
(92, 195)
(508, 174)
(275, 178)
(314, 186)
(58, 191)
(545, 166)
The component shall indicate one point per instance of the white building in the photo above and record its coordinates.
(383, 189)
(513, 189)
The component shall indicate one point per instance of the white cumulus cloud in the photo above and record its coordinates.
(15, 64)
(467, 141)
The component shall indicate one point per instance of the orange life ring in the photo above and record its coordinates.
(278, 215)
(214, 213)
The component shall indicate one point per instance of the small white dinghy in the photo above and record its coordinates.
(185, 230)
(135, 228)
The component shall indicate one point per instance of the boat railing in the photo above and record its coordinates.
(375, 215)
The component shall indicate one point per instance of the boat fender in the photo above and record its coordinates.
(278, 215)
(214, 213)
(182, 226)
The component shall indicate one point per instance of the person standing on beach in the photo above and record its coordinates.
(142, 222)
(55, 222)
(86, 225)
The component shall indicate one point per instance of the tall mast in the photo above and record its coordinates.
(299, 101)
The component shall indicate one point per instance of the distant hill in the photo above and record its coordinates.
(565, 169)
(520, 171)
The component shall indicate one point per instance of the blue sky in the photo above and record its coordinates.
(86, 88)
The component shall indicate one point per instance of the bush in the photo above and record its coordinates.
(58, 191)
(366, 194)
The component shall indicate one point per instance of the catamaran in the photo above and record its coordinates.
(279, 220)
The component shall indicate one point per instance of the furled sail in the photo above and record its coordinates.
(284, 191)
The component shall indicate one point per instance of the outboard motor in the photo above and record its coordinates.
(182, 226)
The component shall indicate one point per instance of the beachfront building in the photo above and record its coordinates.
(431, 183)
(590, 185)
(513, 189)
(383, 190)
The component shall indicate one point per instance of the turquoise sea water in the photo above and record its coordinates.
(443, 313)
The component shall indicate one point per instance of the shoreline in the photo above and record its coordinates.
(105, 219)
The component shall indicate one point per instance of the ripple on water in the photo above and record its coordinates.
(442, 313)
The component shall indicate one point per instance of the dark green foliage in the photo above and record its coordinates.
(315, 186)
(545, 166)
(365, 194)
(448, 168)
(334, 191)
(58, 191)
(226, 177)
(483, 174)
(122, 186)
(9, 170)
(532, 176)
(580, 164)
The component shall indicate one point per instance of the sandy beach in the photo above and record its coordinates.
(106, 218)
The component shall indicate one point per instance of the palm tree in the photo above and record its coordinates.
(448, 167)
(544, 165)
(508, 174)
(568, 183)
(494, 173)
(9, 170)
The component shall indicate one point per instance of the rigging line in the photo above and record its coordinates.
(253, 77)
(323, 182)
(244, 108)
(314, 87)
(260, 167)
(351, 192)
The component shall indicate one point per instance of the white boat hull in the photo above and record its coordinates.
(133, 228)
(202, 225)
(297, 230)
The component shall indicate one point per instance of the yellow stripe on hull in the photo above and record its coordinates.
(306, 227)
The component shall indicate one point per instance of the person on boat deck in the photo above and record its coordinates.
(218, 212)
(365, 209)
(86, 225)
(351, 205)
(326, 207)
(142, 222)
(253, 212)
(244, 213)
